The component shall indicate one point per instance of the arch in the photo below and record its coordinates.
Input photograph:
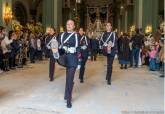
(20, 12)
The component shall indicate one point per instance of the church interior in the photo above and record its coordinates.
(137, 84)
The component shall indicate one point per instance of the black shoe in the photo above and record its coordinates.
(162, 76)
(109, 82)
(121, 66)
(125, 67)
(6, 70)
(51, 80)
(32, 61)
(136, 66)
(69, 104)
(81, 81)
(12, 68)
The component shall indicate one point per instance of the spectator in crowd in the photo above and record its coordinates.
(94, 49)
(39, 48)
(161, 56)
(123, 51)
(25, 48)
(152, 61)
(14, 48)
(5, 45)
(157, 34)
(1, 52)
(32, 47)
(137, 42)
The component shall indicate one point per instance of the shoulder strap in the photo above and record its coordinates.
(68, 37)
(85, 39)
(82, 38)
(114, 38)
(76, 38)
(76, 45)
(62, 35)
(102, 37)
(54, 37)
(108, 38)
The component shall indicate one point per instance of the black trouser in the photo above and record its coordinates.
(82, 68)
(39, 54)
(47, 53)
(109, 67)
(131, 57)
(94, 54)
(51, 67)
(12, 60)
(70, 72)
(6, 61)
(32, 55)
(1, 61)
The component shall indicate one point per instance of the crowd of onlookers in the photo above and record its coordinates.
(16, 47)
(142, 49)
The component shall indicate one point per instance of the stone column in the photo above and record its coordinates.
(52, 13)
(126, 21)
(146, 13)
(1, 16)
(130, 17)
(150, 12)
(138, 13)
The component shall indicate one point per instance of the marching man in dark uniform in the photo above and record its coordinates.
(69, 42)
(94, 49)
(84, 43)
(109, 46)
(52, 45)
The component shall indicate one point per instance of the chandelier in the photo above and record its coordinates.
(7, 15)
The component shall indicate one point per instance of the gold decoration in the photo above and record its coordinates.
(16, 26)
(132, 28)
(148, 29)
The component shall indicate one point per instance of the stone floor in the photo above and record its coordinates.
(133, 91)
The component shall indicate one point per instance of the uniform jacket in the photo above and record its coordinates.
(70, 59)
(113, 39)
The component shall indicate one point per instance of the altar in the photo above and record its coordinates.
(97, 17)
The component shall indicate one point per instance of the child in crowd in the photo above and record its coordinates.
(152, 60)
